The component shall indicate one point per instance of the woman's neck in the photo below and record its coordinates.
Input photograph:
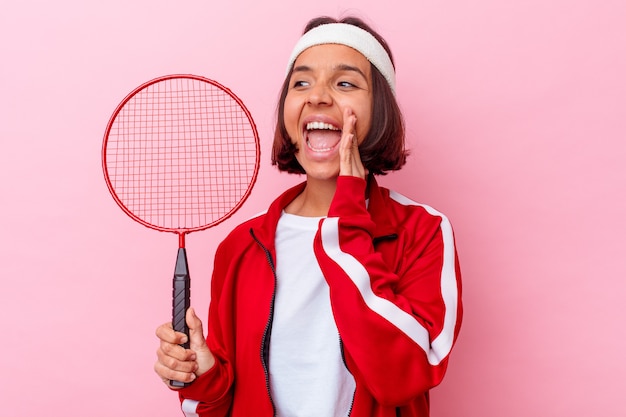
(314, 200)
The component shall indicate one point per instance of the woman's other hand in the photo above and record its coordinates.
(175, 363)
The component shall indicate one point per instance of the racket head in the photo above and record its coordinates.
(180, 153)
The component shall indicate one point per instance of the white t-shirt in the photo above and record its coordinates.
(307, 375)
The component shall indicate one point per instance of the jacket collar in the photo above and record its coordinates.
(376, 207)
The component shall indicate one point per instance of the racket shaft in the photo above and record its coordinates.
(181, 299)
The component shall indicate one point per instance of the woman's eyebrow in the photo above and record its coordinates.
(340, 67)
(346, 67)
(302, 68)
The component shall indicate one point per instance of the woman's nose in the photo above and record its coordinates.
(319, 95)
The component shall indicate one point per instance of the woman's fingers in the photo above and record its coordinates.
(174, 363)
(178, 371)
(350, 159)
(177, 363)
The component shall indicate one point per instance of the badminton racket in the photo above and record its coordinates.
(180, 154)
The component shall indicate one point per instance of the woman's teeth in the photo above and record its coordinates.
(320, 126)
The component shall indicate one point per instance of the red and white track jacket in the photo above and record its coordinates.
(395, 289)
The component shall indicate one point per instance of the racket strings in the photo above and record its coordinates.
(181, 154)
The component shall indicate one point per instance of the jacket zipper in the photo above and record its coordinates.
(343, 359)
(268, 326)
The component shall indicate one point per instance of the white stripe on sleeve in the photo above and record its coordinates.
(190, 408)
(441, 346)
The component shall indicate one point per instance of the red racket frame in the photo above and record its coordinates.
(181, 232)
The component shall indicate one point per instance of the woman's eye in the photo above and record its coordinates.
(345, 84)
(300, 83)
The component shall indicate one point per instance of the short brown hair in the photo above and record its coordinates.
(383, 149)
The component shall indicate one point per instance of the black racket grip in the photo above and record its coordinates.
(181, 300)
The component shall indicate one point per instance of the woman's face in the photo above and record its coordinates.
(325, 81)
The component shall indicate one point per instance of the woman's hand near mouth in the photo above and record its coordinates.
(350, 160)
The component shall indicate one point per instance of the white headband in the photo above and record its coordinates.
(352, 36)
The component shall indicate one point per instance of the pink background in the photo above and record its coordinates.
(516, 115)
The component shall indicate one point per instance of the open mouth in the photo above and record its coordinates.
(321, 136)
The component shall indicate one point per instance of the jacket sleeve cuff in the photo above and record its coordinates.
(349, 197)
(208, 388)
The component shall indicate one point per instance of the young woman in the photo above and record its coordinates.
(344, 298)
